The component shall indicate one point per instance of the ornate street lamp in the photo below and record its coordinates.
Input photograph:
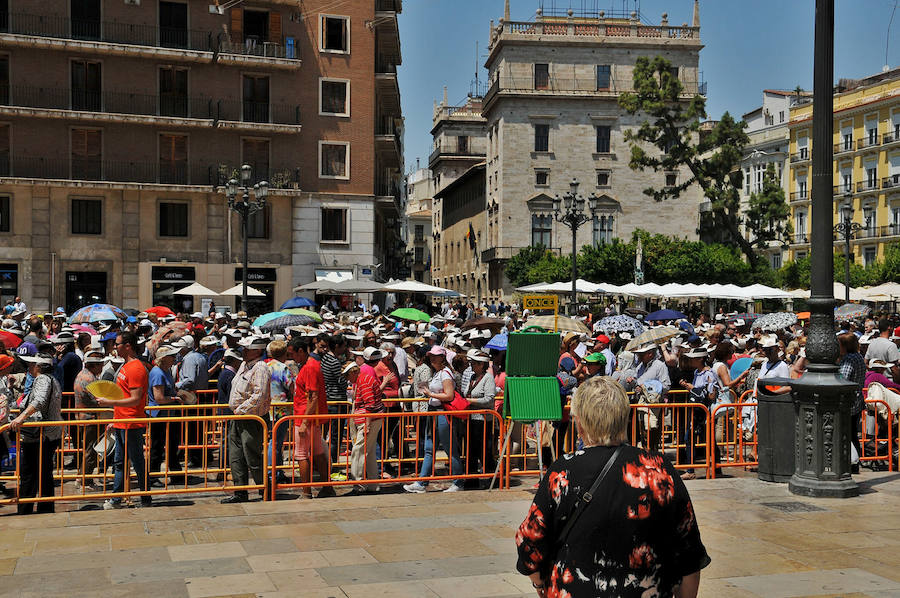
(239, 201)
(572, 215)
(848, 228)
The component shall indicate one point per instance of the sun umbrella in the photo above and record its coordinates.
(746, 317)
(774, 322)
(237, 291)
(170, 332)
(411, 314)
(850, 311)
(498, 343)
(286, 321)
(493, 324)
(10, 340)
(160, 311)
(665, 314)
(98, 312)
(298, 302)
(196, 290)
(299, 311)
(657, 336)
(269, 316)
(76, 328)
(620, 323)
(563, 324)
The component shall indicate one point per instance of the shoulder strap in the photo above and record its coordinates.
(582, 503)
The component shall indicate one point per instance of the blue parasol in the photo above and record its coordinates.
(498, 343)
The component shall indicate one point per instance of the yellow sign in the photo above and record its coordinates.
(540, 302)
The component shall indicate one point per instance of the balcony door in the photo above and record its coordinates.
(173, 91)
(86, 85)
(256, 99)
(173, 25)
(85, 19)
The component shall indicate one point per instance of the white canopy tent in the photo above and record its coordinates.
(413, 286)
(196, 290)
(238, 290)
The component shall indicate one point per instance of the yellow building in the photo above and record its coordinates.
(866, 165)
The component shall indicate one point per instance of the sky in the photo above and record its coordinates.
(749, 46)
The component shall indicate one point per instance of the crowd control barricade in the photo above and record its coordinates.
(877, 433)
(158, 476)
(399, 451)
(735, 445)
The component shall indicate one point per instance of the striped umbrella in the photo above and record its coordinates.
(299, 311)
(286, 321)
(657, 336)
(98, 312)
(563, 324)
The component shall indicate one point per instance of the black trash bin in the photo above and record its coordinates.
(775, 435)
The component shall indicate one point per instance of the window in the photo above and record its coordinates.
(87, 154)
(258, 223)
(541, 138)
(419, 255)
(173, 219)
(256, 99)
(87, 216)
(256, 28)
(848, 141)
(4, 150)
(602, 228)
(85, 85)
(5, 214)
(335, 34)
(541, 177)
(869, 254)
(255, 152)
(462, 144)
(603, 136)
(334, 160)
(420, 232)
(673, 72)
(173, 32)
(801, 188)
(800, 223)
(85, 19)
(671, 179)
(603, 178)
(780, 120)
(334, 97)
(541, 228)
(4, 79)
(871, 177)
(334, 225)
(173, 91)
(173, 159)
(542, 76)
(776, 261)
(603, 75)
(847, 182)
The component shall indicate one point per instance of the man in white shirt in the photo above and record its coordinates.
(883, 348)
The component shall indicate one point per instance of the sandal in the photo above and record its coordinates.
(688, 475)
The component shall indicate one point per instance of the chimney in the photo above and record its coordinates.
(696, 19)
(445, 96)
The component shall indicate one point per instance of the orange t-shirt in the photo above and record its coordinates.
(132, 375)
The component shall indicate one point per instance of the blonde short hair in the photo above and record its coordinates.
(602, 412)
(277, 349)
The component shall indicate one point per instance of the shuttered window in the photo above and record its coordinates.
(87, 216)
(87, 154)
(173, 159)
(255, 152)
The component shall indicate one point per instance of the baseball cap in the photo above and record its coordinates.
(599, 358)
(27, 349)
(602, 338)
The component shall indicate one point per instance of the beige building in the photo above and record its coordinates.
(552, 115)
(121, 122)
(419, 198)
(459, 245)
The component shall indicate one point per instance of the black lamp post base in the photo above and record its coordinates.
(823, 429)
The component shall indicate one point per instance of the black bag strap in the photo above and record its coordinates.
(585, 499)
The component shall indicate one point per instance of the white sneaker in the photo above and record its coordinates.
(452, 488)
(415, 488)
(109, 505)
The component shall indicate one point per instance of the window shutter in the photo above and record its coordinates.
(237, 25)
(275, 27)
(92, 143)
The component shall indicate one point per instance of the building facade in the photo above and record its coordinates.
(120, 123)
(458, 263)
(866, 185)
(552, 115)
(419, 199)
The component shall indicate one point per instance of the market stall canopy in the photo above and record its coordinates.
(237, 291)
(196, 290)
(412, 286)
(356, 286)
(531, 287)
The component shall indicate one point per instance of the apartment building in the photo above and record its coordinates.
(866, 149)
(120, 123)
(552, 115)
(419, 200)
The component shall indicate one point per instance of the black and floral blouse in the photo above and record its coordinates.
(637, 538)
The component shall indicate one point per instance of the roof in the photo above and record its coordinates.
(754, 111)
(420, 213)
(787, 92)
(463, 178)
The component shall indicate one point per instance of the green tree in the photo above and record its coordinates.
(518, 267)
(607, 262)
(767, 217)
(673, 126)
(796, 274)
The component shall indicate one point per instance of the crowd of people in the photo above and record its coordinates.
(360, 363)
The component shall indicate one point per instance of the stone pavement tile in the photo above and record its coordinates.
(476, 520)
(518, 581)
(300, 529)
(60, 533)
(261, 563)
(42, 521)
(429, 510)
(320, 542)
(475, 586)
(499, 545)
(7, 566)
(11, 536)
(480, 565)
(232, 534)
(250, 583)
(56, 582)
(383, 572)
(386, 553)
(14, 551)
(391, 589)
(122, 529)
(833, 581)
(720, 588)
(69, 545)
(293, 581)
(139, 572)
(318, 593)
(268, 546)
(499, 531)
(145, 540)
(196, 552)
(170, 588)
(91, 560)
(347, 556)
(444, 534)
(399, 523)
(752, 564)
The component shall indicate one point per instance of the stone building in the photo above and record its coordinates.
(419, 199)
(458, 264)
(552, 115)
(121, 122)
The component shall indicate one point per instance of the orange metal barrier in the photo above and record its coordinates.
(211, 474)
(403, 431)
(734, 446)
(882, 435)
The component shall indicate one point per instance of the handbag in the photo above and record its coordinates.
(458, 404)
(581, 505)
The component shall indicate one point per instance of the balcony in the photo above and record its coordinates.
(386, 85)
(169, 106)
(843, 147)
(86, 35)
(868, 141)
(891, 182)
(596, 28)
(799, 239)
(800, 156)
(868, 185)
(867, 232)
(122, 171)
(453, 153)
(799, 196)
(504, 253)
(388, 141)
(388, 6)
(844, 189)
(891, 138)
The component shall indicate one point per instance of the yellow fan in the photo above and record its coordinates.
(104, 389)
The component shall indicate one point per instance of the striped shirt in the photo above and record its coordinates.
(335, 383)
(367, 396)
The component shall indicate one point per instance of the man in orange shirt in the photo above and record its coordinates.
(310, 398)
(133, 379)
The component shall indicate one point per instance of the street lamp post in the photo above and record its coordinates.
(239, 201)
(569, 210)
(847, 228)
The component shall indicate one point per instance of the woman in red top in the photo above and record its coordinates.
(389, 376)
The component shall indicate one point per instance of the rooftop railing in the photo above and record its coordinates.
(600, 28)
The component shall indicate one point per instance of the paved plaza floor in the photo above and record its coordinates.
(764, 542)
